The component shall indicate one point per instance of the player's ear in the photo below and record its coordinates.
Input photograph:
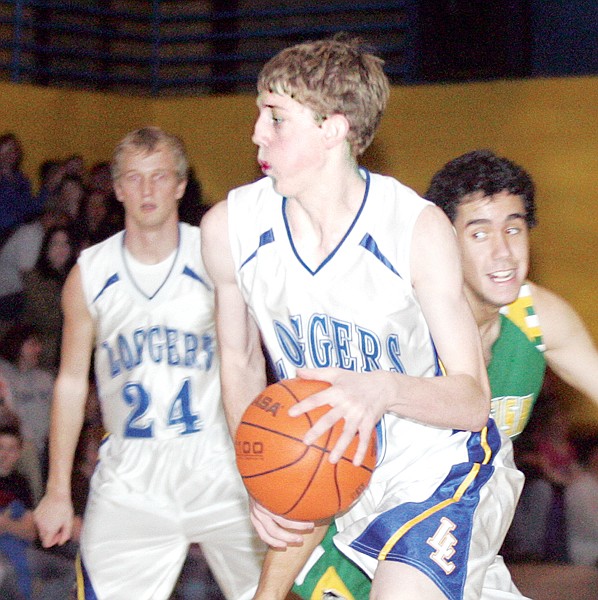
(117, 190)
(336, 129)
(180, 189)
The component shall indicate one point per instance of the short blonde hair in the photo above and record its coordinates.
(332, 76)
(149, 140)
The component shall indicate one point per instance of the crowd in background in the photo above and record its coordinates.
(41, 235)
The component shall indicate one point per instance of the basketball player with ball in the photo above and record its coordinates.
(350, 278)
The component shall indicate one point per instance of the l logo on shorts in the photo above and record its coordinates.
(443, 542)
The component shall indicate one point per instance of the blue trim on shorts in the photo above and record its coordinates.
(85, 589)
(434, 535)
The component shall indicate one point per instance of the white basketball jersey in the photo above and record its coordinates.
(357, 310)
(156, 358)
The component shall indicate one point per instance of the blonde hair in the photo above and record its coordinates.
(332, 76)
(149, 140)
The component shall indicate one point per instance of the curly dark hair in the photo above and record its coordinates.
(481, 171)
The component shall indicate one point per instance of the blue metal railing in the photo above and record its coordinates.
(92, 45)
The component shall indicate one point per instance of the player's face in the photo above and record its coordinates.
(149, 188)
(290, 143)
(494, 241)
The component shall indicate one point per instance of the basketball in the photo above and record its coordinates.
(283, 474)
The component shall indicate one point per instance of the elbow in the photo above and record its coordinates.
(482, 414)
(479, 423)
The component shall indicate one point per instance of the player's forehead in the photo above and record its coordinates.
(268, 99)
(500, 207)
(158, 159)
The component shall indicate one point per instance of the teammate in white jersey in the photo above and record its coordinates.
(351, 278)
(166, 477)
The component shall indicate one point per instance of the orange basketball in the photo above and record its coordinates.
(283, 474)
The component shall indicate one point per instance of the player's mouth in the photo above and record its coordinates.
(502, 276)
(264, 166)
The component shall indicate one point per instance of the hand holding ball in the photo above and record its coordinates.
(283, 474)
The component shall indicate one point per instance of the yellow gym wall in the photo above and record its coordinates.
(550, 126)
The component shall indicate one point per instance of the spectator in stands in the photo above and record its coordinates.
(74, 166)
(43, 287)
(30, 386)
(100, 177)
(17, 202)
(68, 195)
(96, 221)
(549, 460)
(53, 574)
(17, 529)
(19, 255)
(50, 172)
(581, 506)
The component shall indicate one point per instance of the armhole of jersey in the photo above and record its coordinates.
(522, 313)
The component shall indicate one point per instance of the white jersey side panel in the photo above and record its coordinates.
(156, 359)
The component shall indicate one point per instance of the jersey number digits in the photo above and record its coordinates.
(179, 414)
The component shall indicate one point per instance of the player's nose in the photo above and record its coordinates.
(259, 137)
(501, 246)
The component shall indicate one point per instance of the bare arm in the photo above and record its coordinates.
(243, 372)
(54, 514)
(461, 400)
(282, 566)
(570, 350)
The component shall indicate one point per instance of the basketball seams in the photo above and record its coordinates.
(295, 480)
(312, 478)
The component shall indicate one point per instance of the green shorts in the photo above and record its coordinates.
(333, 573)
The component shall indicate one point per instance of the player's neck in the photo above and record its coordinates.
(487, 318)
(329, 199)
(319, 219)
(151, 246)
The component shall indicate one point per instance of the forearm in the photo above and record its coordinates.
(455, 401)
(243, 377)
(68, 410)
(281, 567)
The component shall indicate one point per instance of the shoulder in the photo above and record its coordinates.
(560, 322)
(109, 244)
(190, 234)
(215, 217)
(549, 305)
(250, 199)
(386, 187)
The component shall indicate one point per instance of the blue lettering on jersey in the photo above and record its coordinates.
(289, 338)
(394, 352)
(327, 342)
(319, 344)
(157, 344)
